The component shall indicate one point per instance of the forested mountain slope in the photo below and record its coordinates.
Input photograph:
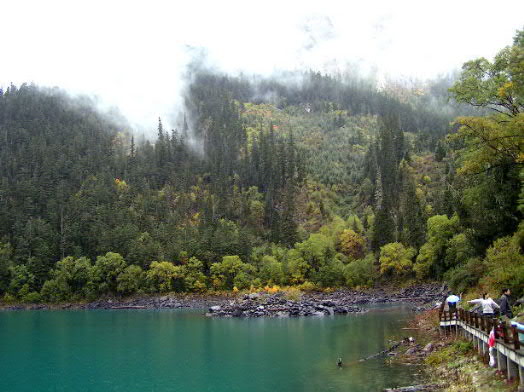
(321, 182)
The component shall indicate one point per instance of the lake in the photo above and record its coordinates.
(182, 350)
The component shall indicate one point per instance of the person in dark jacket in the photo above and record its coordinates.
(505, 307)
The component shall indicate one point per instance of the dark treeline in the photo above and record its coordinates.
(322, 182)
(73, 184)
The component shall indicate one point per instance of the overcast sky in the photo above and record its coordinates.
(132, 54)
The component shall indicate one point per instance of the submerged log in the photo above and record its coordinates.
(416, 388)
(128, 307)
(394, 346)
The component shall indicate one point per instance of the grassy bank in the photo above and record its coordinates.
(453, 360)
(458, 363)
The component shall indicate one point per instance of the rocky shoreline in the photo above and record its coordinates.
(322, 304)
(263, 304)
(276, 305)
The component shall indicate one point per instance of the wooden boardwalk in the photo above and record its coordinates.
(509, 348)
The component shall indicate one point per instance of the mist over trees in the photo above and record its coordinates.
(324, 181)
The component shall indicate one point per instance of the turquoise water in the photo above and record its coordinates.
(147, 350)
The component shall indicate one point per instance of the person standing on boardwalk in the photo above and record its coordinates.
(451, 301)
(488, 305)
(505, 307)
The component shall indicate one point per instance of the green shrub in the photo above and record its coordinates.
(331, 274)
(396, 259)
(431, 259)
(505, 266)
(445, 355)
(271, 271)
(230, 272)
(459, 250)
(466, 275)
(32, 297)
(361, 273)
(297, 267)
(462, 347)
(317, 250)
(131, 280)
(194, 278)
(256, 283)
(106, 270)
(242, 280)
(163, 276)
(69, 279)
(55, 290)
(8, 298)
(21, 280)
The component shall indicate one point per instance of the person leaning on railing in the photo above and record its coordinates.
(488, 305)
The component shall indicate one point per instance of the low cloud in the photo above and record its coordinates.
(135, 55)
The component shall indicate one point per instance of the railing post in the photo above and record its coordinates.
(504, 331)
(502, 363)
(516, 341)
(513, 370)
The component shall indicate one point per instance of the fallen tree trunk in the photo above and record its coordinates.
(386, 351)
(128, 307)
(416, 388)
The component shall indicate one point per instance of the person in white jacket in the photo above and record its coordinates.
(488, 305)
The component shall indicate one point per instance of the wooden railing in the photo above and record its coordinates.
(509, 334)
